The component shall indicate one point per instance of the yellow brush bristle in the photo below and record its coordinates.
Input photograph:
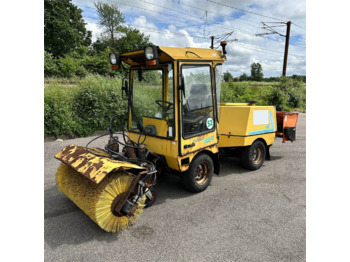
(96, 199)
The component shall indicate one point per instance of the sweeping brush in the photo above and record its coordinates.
(96, 199)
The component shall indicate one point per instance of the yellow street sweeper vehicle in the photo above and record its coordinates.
(175, 124)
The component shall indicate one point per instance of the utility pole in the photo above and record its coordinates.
(212, 42)
(286, 49)
(273, 31)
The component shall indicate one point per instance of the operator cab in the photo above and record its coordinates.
(173, 96)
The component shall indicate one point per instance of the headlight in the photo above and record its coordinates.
(114, 58)
(149, 53)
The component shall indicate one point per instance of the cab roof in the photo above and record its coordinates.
(169, 54)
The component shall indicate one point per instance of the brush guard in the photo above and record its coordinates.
(142, 185)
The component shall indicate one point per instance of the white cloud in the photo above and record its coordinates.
(95, 29)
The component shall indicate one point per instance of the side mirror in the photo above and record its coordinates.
(139, 73)
(125, 89)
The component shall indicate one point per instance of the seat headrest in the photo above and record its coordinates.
(197, 88)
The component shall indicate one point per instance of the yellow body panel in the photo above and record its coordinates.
(241, 124)
(89, 165)
(183, 167)
(187, 53)
(160, 125)
(238, 141)
(165, 147)
(170, 54)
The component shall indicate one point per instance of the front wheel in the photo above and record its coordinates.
(151, 197)
(199, 175)
(253, 157)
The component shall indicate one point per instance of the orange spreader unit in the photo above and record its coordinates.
(286, 124)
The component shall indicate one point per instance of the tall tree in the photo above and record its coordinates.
(256, 72)
(132, 40)
(228, 76)
(243, 77)
(64, 27)
(110, 18)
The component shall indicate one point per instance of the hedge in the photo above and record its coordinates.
(78, 109)
(81, 110)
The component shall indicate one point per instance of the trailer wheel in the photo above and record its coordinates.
(252, 157)
(199, 175)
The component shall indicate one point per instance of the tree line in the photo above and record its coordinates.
(69, 50)
(256, 74)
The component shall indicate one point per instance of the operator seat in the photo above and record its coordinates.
(196, 100)
(193, 122)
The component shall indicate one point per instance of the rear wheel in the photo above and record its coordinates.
(253, 157)
(199, 175)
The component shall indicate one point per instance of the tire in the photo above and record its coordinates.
(198, 177)
(253, 157)
(150, 202)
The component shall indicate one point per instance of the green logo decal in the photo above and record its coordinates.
(208, 139)
(210, 123)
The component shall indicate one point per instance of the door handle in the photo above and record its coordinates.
(188, 146)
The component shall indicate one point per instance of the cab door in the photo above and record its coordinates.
(196, 107)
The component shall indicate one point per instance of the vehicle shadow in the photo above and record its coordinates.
(66, 224)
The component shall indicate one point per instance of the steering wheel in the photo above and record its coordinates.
(164, 107)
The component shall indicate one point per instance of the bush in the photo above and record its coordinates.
(98, 99)
(58, 114)
(50, 65)
(71, 66)
(278, 98)
(295, 91)
(81, 110)
(286, 95)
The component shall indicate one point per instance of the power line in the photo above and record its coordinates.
(258, 48)
(241, 20)
(188, 18)
(246, 11)
(183, 17)
(254, 13)
(167, 31)
(298, 26)
(196, 17)
(156, 11)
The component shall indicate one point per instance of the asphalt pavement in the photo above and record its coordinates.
(242, 216)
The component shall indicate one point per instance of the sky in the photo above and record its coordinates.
(191, 23)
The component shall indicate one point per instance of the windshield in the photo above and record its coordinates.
(152, 100)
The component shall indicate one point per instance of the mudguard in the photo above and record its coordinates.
(93, 167)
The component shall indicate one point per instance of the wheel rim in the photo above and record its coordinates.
(150, 201)
(257, 155)
(202, 173)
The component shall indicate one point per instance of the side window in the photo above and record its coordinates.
(197, 100)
